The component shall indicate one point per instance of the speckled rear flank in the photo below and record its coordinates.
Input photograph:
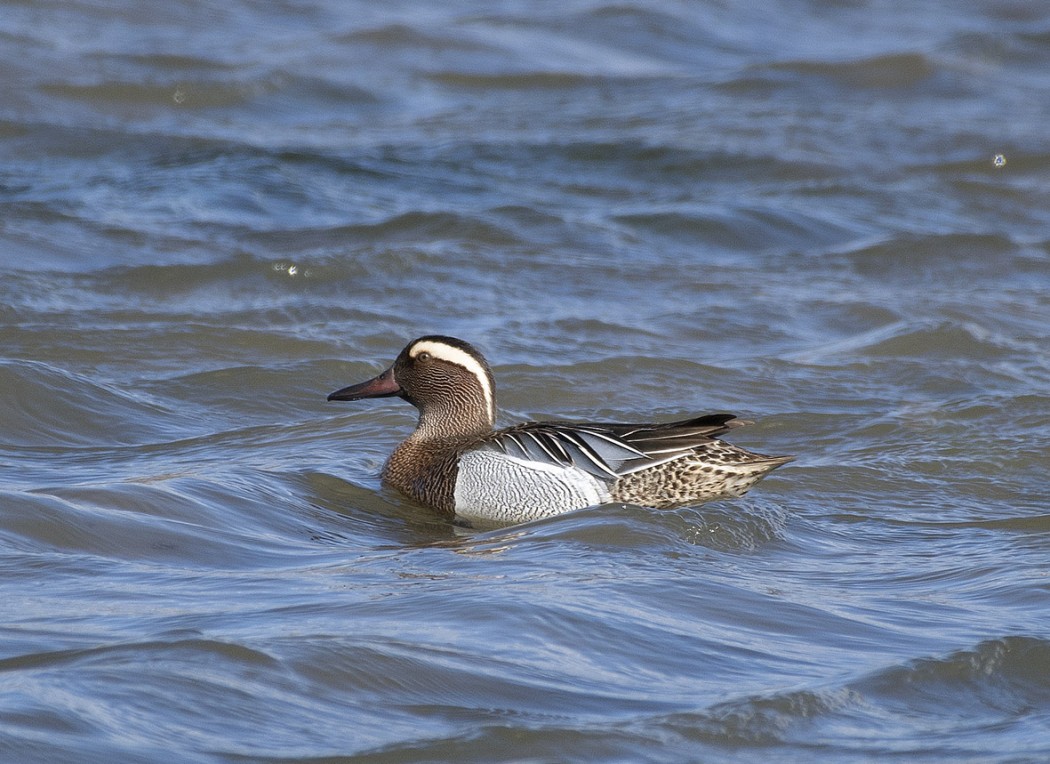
(714, 470)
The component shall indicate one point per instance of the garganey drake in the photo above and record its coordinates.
(456, 463)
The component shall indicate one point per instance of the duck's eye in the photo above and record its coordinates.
(424, 356)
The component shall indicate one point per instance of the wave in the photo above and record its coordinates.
(46, 406)
(925, 705)
(747, 229)
(920, 339)
(894, 70)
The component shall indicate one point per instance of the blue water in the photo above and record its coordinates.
(211, 217)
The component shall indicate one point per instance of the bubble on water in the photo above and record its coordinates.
(999, 160)
(291, 269)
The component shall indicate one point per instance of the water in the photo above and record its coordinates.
(212, 216)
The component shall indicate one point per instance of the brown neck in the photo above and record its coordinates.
(445, 424)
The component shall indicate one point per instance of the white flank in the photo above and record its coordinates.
(492, 486)
(461, 358)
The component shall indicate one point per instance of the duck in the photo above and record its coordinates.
(457, 463)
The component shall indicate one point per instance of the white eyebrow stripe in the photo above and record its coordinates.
(462, 358)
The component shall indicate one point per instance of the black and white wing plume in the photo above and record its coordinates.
(608, 451)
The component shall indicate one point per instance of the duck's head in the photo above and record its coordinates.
(447, 379)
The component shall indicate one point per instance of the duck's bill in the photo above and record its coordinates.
(382, 386)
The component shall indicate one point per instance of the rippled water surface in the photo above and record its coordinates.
(212, 215)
